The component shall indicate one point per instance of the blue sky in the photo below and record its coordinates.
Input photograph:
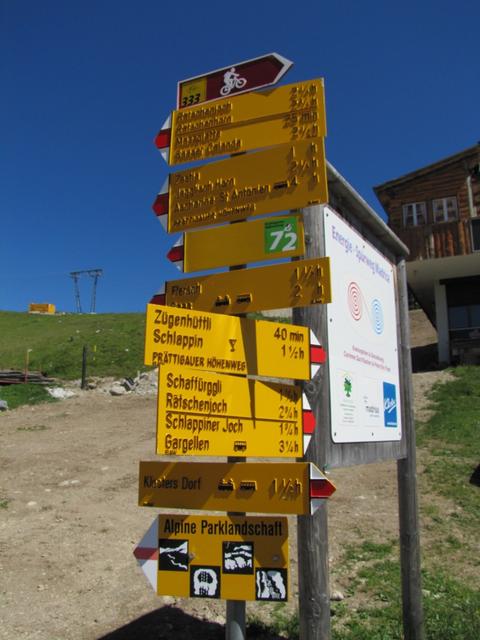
(86, 85)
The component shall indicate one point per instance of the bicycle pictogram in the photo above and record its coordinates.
(232, 81)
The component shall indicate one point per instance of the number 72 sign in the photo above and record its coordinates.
(281, 235)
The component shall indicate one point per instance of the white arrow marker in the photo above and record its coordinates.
(147, 554)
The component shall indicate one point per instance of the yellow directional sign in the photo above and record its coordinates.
(289, 176)
(268, 487)
(227, 344)
(228, 245)
(209, 414)
(249, 121)
(229, 557)
(286, 285)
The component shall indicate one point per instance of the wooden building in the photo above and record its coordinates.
(435, 211)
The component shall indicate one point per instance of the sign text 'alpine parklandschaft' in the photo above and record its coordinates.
(245, 122)
(281, 286)
(288, 176)
(229, 557)
(267, 487)
(211, 414)
(227, 344)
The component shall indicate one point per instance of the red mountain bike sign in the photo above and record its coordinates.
(238, 78)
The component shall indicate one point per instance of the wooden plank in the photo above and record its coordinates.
(413, 619)
(313, 570)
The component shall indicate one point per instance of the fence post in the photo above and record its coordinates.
(312, 531)
(84, 367)
(413, 620)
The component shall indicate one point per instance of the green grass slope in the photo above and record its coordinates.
(114, 341)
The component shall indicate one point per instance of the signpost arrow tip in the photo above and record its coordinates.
(320, 488)
(176, 253)
(318, 355)
(308, 417)
(161, 205)
(163, 138)
(159, 297)
(146, 554)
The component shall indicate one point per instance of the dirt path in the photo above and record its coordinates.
(69, 523)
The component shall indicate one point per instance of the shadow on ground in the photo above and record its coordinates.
(171, 622)
(167, 622)
(425, 358)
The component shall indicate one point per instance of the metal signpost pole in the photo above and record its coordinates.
(235, 622)
(236, 609)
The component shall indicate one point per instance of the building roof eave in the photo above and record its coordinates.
(430, 168)
(368, 216)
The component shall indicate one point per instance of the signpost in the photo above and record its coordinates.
(227, 344)
(203, 413)
(297, 284)
(268, 487)
(230, 557)
(245, 122)
(287, 176)
(197, 339)
(238, 78)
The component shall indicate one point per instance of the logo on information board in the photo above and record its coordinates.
(389, 404)
(355, 303)
(347, 386)
(377, 317)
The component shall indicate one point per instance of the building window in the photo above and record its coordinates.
(414, 214)
(476, 234)
(445, 209)
(465, 317)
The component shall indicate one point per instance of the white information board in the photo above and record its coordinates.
(362, 338)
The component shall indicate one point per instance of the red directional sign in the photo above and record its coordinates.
(237, 78)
